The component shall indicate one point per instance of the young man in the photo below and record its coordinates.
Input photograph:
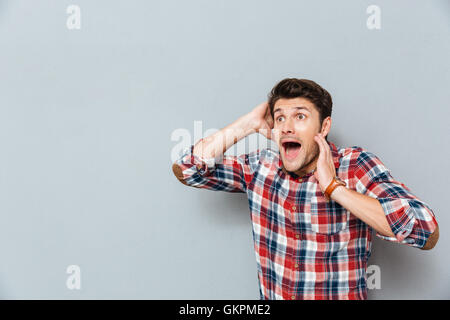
(313, 206)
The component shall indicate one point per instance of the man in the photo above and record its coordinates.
(313, 206)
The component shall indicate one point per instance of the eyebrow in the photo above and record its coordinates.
(298, 108)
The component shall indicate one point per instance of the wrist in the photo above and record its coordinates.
(335, 183)
(247, 124)
(337, 193)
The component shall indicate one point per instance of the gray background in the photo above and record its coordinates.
(86, 118)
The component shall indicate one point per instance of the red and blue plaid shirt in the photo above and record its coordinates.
(306, 247)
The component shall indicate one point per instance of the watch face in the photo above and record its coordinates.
(340, 181)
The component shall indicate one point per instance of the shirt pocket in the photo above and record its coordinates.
(327, 217)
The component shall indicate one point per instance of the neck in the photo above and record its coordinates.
(310, 168)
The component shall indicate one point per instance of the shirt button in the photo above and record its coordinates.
(293, 297)
(294, 208)
(297, 236)
(296, 265)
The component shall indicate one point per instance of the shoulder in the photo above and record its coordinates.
(355, 154)
(360, 159)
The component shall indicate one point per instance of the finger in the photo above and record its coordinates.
(326, 149)
(268, 116)
(319, 142)
(266, 108)
(269, 121)
(329, 156)
(261, 109)
(325, 146)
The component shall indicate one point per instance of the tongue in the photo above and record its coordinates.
(292, 152)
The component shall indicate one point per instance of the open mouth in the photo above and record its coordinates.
(291, 149)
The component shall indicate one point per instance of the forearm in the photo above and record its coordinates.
(219, 142)
(365, 208)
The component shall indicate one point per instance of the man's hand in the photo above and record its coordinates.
(325, 171)
(362, 206)
(261, 120)
(257, 120)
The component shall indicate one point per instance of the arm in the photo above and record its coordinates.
(382, 202)
(364, 208)
(204, 165)
(371, 212)
(410, 220)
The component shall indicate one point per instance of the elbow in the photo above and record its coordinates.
(178, 173)
(432, 240)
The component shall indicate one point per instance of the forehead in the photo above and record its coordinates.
(291, 104)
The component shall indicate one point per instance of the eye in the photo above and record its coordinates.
(301, 114)
(278, 119)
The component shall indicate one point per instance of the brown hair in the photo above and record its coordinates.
(302, 88)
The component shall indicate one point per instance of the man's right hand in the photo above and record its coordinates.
(261, 120)
(257, 120)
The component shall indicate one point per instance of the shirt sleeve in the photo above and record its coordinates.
(227, 173)
(411, 220)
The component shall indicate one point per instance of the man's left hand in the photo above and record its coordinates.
(325, 171)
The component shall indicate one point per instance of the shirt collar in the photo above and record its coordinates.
(334, 154)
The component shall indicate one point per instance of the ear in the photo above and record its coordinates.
(326, 126)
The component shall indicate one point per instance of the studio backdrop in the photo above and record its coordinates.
(97, 99)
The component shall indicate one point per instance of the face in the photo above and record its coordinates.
(296, 122)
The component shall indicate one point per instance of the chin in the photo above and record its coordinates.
(291, 167)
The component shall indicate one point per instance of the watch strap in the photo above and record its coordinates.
(336, 182)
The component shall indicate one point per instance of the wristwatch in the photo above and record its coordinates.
(336, 182)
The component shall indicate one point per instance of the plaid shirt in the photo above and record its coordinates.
(306, 247)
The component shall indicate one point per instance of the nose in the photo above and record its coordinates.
(288, 127)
